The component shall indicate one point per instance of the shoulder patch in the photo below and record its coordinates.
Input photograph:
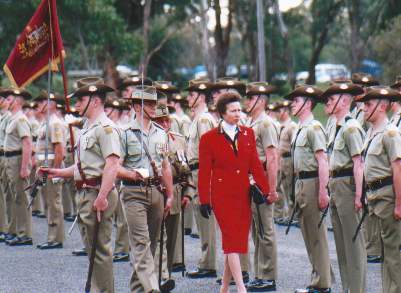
(392, 132)
(316, 127)
(203, 120)
(108, 129)
(266, 123)
(352, 129)
(22, 119)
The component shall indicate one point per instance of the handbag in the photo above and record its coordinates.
(256, 195)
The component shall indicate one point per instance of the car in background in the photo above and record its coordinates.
(326, 72)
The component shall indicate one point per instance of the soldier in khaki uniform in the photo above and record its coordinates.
(396, 106)
(266, 134)
(199, 91)
(310, 167)
(4, 188)
(286, 134)
(144, 143)
(371, 227)
(113, 109)
(51, 190)
(382, 171)
(179, 104)
(184, 190)
(345, 185)
(18, 152)
(97, 160)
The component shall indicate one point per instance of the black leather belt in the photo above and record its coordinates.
(342, 173)
(147, 182)
(194, 166)
(88, 183)
(375, 185)
(307, 174)
(286, 155)
(13, 153)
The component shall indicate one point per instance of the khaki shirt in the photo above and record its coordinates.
(201, 124)
(17, 128)
(131, 147)
(383, 150)
(359, 115)
(266, 133)
(396, 120)
(330, 128)
(57, 134)
(309, 139)
(185, 123)
(346, 144)
(96, 142)
(179, 166)
(4, 120)
(287, 131)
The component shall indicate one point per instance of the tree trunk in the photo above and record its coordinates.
(357, 47)
(110, 72)
(146, 19)
(222, 38)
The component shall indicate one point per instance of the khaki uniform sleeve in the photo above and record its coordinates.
(204, 125)
(57, 133)
(123, 144)
(392, 142)
(109, 141)
(354, 140)
(23, 128)
(317, 138)
(268, 135)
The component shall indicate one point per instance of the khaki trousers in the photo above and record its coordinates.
(207, 233)
(121, 244)
(372, 235)
(55, 215)
(3, 195)
(351, 256)
(21, 216)
(285, 184)
(306, 195)
(69, 190)
(102, 277)
(265, 257)
(143, 208)
(390, 237)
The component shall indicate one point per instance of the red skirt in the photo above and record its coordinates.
(233, 214)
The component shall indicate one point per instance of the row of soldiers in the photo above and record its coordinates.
(299, 173)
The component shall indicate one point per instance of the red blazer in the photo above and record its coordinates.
(224, 175)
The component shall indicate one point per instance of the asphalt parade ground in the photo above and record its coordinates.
(30, 270)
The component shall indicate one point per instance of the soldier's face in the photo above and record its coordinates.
(81, 103)
(372, 110)
(233, 113)
(191, 98)
(164, 122)
(331, 103)
(3, 103)
(249, 103)
(394, 107)
(296, 105)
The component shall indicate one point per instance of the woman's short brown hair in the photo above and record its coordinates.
(225, 99)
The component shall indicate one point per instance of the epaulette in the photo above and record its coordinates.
(391, 130)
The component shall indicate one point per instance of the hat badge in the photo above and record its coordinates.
(262, 88)
(202, 86)
(51, 96)
(230, 82)
(365, 79)
(135, 78)
(17, 92)
(286, 103)
(164, 86)
(310, 90)
(384, 92)
(343, 86)
(92, 88)
(115, 103)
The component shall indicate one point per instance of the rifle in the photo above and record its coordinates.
(365, 210)
(34, 190)
(326, 210)
(294, 211)
(92, 256)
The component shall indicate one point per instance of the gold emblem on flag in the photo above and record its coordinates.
(35, 40)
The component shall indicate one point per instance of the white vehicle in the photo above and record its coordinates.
(326, 72)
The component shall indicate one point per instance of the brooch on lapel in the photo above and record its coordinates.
(245, 133)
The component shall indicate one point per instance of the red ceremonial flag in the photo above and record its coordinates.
(39, 42)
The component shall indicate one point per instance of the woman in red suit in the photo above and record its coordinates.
(227, 155)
